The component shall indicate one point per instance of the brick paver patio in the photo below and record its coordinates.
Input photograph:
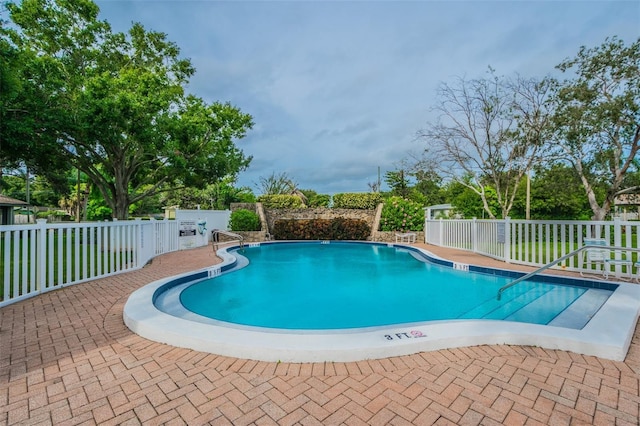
(66, 357)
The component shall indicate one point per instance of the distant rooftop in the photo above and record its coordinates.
(440, 207)
(8, 201)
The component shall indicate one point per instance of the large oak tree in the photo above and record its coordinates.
(113, 105)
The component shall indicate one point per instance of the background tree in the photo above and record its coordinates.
(43, 193)
(481, 139)
(76, 199)
(467, 202)
(13, 183)
(274, 184)
(597, 118)
(97, 208)
(556, 193)
(415, 182)
(216, 196)
(398, 182)
(223, 193)
(429, 185)
(281, 184)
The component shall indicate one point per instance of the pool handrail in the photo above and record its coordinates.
(560, 259)
(236, 237)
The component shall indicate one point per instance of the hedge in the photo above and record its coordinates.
(357, 200)
(281, 201)
(321, 229)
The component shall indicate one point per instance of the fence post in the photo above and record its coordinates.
(474, 235)
(168, 246)
(41, 238)
(441, 233)
(507, 239)
(426, 228)
(617, 241)
(153, 238)
(617, 232)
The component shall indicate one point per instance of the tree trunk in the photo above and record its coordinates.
(599, 213)
(121, 211)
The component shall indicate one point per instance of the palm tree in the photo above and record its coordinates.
(281, 184)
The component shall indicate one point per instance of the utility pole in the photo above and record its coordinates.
(27, 186)
(78, 196)
(528, 205)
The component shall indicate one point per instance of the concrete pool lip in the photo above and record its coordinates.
(608, 334)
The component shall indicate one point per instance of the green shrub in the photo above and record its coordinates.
(50, 213)
(358, 200)
(319, 200)
(98, 210)
(349, 229)
(244, 220)
(321, 229)
(280, 201)
(401, 215)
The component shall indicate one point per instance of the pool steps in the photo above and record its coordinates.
(562, 306)
(580, 312)
(549, 305)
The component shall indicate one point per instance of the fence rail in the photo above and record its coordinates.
(35, 258)
(534, 243)
(41, 257)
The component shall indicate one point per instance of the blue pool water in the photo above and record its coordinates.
(351, 285)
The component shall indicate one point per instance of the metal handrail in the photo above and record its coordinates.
(237, 237)
(560, 259)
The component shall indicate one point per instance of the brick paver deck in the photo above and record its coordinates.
(66, 357)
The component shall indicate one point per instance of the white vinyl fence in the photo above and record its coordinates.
(40, 257)
(531, 242)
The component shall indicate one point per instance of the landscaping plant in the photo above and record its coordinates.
(244, 220)
(399, 214)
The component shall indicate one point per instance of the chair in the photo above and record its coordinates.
(406, 237)
(599, 253)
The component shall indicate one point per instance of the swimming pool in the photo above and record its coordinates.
(350, 285)
(299, 331)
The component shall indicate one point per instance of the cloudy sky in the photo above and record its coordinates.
(339, 89)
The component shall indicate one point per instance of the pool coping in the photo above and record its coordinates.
(608, 335)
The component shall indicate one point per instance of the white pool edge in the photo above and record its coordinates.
(608, 335)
